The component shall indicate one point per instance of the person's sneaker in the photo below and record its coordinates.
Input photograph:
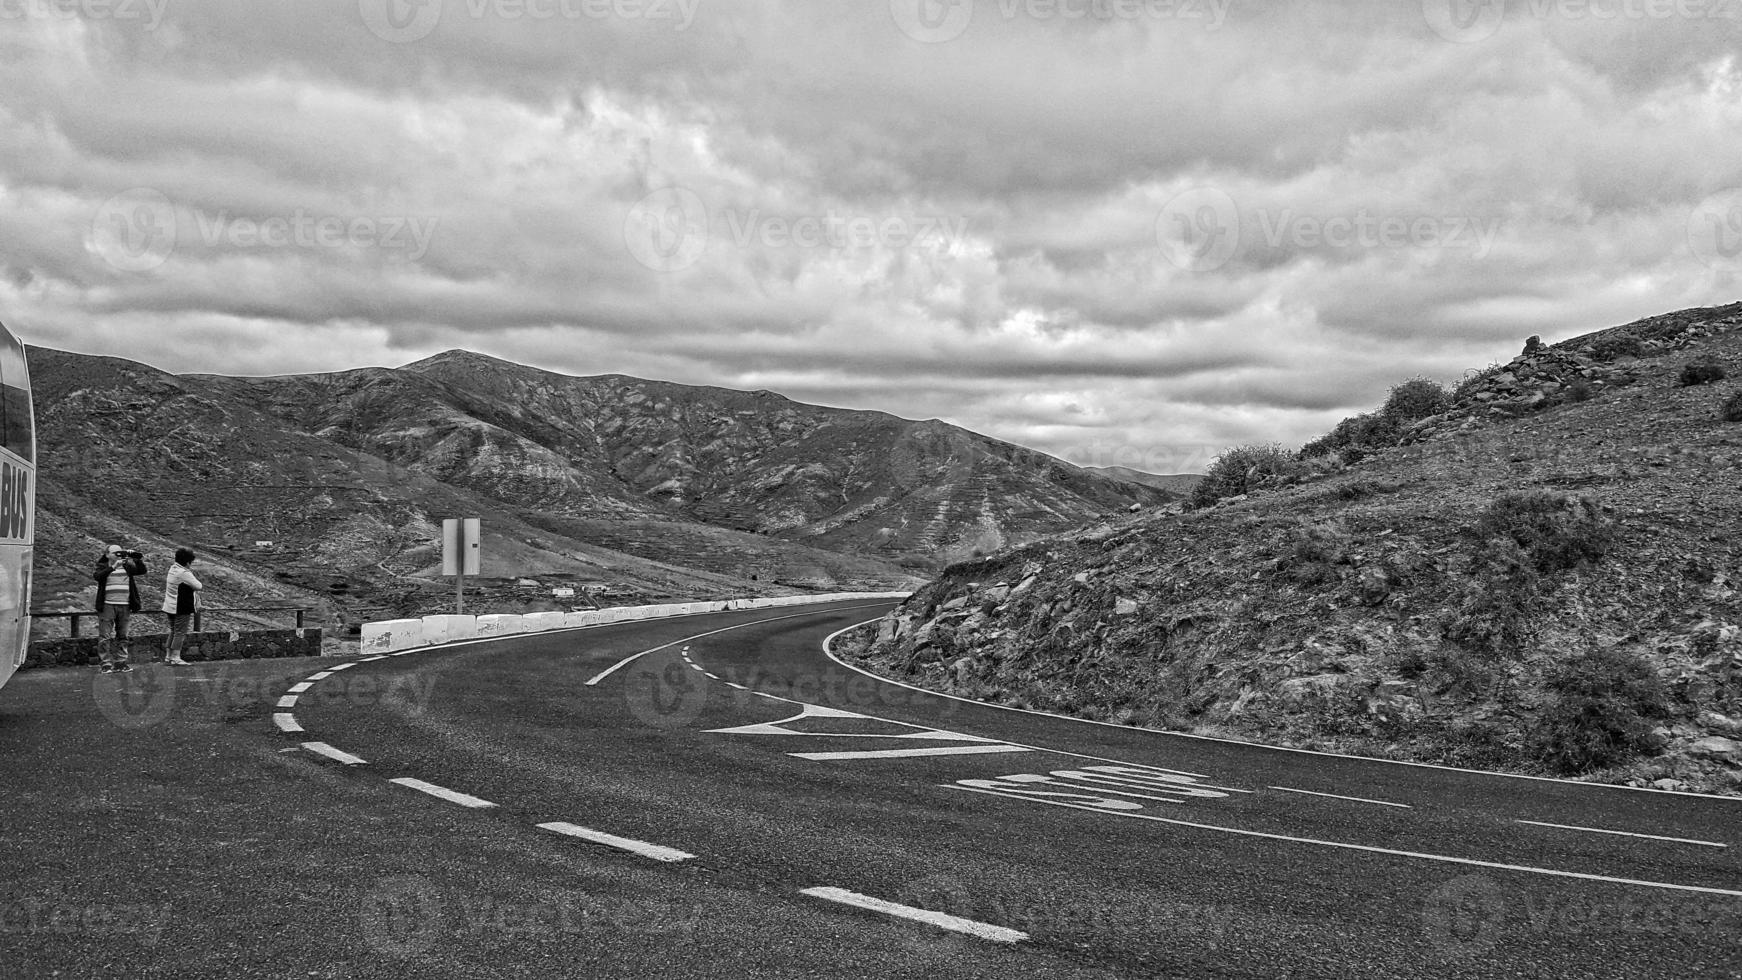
(124, 669)
(105, 669)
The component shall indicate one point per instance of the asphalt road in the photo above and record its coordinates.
(746, 782)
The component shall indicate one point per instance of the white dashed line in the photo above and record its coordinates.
(1623, 833)
(1351, 799)
(337, 667)
(299, 688)
(654, 851)
(286, 722)
(738, 686)
(908, 753)
(626, 661)
(442, 792)
(323, 675)
(322, 748)
(370, 660)
(288, 701)
(997, 934)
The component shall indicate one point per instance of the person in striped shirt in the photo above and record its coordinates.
(117, 600)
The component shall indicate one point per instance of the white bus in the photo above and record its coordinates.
(17, 502)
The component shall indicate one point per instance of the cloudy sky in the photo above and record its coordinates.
(1123, 231)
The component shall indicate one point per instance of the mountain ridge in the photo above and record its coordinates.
(653, 487)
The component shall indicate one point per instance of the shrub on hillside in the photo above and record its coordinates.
(1475, 379)
(1359, 436)
(1492, 620)
(1701, 373)
(1604, 703)
(1312, 553)
(1556, 533)
(1579, 390)
(1520, 539)
(1243, 469)
(1415, 399)
(1355, 438)
(1731, 410)
(1617, 345)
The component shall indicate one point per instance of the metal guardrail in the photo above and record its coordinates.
(77, 614)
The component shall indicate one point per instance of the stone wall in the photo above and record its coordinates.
(208, 645)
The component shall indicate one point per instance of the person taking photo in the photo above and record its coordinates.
(117, 601)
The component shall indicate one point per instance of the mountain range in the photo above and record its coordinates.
(332, 486)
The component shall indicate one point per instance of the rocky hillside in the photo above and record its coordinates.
(127, 453)
(1541, 578)
(653, 489)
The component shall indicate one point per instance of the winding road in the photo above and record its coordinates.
(738, 765)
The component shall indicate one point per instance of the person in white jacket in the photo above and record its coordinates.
(181, 596)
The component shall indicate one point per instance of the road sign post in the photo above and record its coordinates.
(462, 541)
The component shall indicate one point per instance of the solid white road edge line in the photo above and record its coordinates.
(442, 792)
(286, 722)
(828, 651)
(997, 934)
(1352, 799)
(1622, 833)
(322, 748)
(654, 851)
(626, 661)
(1416, 855)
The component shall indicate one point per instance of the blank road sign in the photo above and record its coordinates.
(461, 546)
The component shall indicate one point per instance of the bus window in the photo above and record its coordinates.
(15, 429)
(16, 432)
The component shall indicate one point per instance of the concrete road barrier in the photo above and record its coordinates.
(500, 624)
(391, 635)
(403, 634)
(541, 621)
(447, 629)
